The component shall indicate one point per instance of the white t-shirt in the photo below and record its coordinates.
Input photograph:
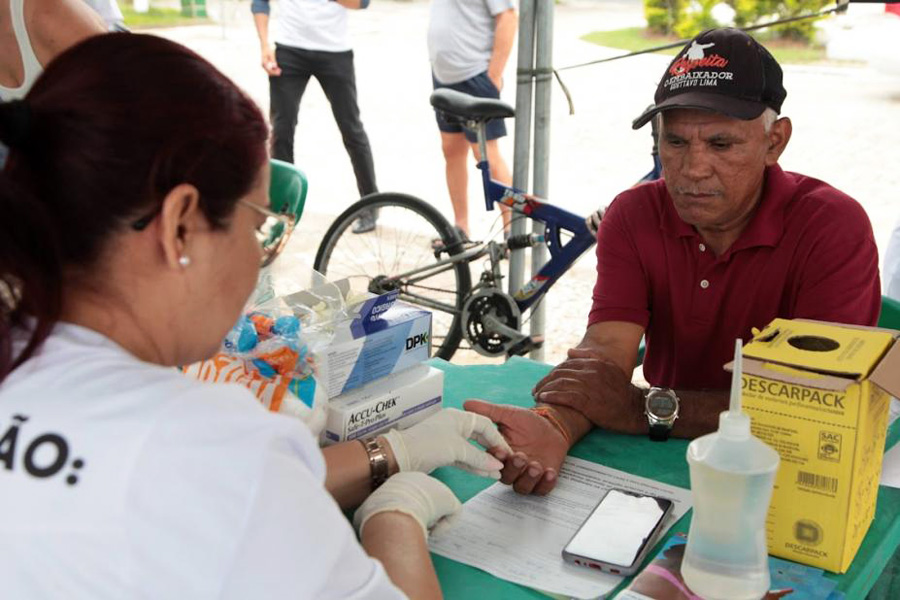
(312, 25)
(461, 37)
(121, 479)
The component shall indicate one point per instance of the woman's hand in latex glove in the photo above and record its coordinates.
(443, 439)
(424, 498)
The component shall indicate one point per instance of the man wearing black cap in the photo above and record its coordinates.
(725, 242)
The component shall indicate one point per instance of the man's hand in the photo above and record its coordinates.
(496, 79)
(538, 446)
(593, 221)
(596, 388)
(269, 64)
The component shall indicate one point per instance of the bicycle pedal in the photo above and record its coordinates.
(525, 345)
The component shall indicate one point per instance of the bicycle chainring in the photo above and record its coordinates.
(489, 302)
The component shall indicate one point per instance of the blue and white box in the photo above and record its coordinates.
(383, 337)
(396, 401)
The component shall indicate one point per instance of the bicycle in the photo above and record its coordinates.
(406, 252)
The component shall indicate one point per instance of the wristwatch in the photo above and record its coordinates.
(661, 408)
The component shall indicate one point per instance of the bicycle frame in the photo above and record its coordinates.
(554, 219)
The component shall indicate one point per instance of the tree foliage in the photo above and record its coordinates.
(686, 18)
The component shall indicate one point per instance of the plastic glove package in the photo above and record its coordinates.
(272, 348)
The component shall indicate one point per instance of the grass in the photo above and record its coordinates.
(158, 17)
(632, 39)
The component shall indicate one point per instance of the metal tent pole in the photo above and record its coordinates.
(522, 140)
(542, 93)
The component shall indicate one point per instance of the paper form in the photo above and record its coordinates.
(520, 538)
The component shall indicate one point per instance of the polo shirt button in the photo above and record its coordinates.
(702, 247)
(704, 284)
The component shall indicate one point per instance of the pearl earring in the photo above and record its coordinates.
(184, 261)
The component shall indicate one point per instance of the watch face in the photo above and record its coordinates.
(661, 406)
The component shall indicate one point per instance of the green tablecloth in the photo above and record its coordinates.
(511, 383)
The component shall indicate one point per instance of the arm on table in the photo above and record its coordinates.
(440, 440)
(593, 387)
(540, 444)
(348, 477)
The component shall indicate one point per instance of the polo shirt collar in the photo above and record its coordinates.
(767, 224)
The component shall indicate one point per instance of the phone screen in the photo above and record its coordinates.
(619, 528)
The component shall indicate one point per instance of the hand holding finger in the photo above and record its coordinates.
(515, 465)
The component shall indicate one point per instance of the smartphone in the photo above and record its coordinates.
(618, 533)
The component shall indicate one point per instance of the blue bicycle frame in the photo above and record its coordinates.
(555, 220)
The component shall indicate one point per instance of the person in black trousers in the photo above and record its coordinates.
(312, 41)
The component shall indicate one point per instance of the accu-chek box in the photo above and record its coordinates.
(399, 400)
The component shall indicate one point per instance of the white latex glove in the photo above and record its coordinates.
(593, 221)
(443, 439)
(424, 498)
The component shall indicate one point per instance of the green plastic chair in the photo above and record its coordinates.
(890, 313)
(287, 189)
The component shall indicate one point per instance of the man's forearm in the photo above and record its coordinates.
(698, 412)
(261, 20)
(504, 36)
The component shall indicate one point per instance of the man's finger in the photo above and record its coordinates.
(556, 373)
(493, 412)
(567, 367)
(514, 466)
(566, 386)
(529, 478)
(547, 482)
(576, 401)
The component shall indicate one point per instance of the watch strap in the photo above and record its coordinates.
(659, 432)
(378, 461)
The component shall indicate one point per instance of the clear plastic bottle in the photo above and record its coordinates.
(732, 474)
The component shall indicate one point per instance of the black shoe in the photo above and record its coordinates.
(365, 223)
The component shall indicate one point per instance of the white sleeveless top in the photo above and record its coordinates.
(30, 62)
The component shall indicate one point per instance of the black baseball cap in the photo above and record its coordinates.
(721, 70)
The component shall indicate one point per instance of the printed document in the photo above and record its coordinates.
(520, 538)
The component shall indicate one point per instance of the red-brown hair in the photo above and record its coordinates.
(110, 127)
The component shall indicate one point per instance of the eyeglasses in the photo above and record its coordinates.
(273, 234)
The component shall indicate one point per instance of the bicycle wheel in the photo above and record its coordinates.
(410, 235)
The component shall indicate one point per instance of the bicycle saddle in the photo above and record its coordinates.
(469, 107)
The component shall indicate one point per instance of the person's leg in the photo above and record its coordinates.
(456, 155)
(499, 172)
(285, 92)
(338, 81)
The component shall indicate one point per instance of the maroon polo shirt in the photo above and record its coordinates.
(808, 252)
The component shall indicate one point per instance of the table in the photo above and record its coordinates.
(511, 383)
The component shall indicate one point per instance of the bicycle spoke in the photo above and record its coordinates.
(398, 254)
